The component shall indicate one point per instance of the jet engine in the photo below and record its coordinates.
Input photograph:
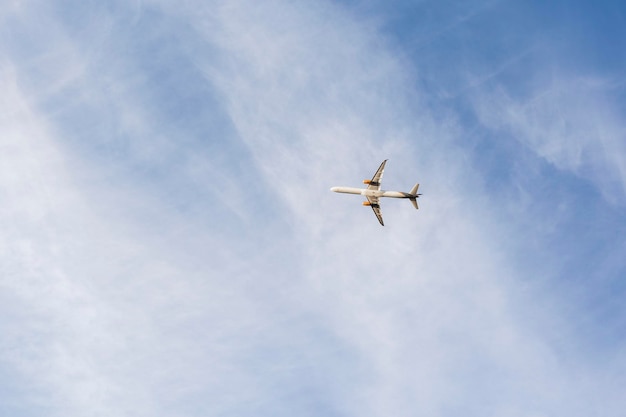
(367, 203)
(367, 182)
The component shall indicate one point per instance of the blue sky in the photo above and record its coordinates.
(170, 246)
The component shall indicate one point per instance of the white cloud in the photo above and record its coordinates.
(122, 305)
(277, 102)
(571, 122)
(139, 307)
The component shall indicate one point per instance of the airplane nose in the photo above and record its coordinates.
(333, 189)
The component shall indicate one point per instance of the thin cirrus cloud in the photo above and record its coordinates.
(572, 124)
(173, 248)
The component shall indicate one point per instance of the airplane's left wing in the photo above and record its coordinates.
(374, 184)
(376, 207)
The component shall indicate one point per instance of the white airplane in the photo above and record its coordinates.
(373, 192)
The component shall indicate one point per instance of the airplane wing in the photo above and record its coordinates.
(376, 207)
(377, 178)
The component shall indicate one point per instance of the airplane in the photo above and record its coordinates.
(373, 192)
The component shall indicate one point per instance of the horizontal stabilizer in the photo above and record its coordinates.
(414, 202)
(414, 189)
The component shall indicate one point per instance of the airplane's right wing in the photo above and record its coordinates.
(376, 207)
(374, 184)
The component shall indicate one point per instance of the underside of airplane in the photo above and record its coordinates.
(373, 193)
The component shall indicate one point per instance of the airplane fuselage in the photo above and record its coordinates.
(372, 193)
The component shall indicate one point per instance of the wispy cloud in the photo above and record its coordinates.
(171, 245)
(572, 123)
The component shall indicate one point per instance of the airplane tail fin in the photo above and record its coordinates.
(416, 195)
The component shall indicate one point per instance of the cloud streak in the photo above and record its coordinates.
(572, 124)
(189, 259)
